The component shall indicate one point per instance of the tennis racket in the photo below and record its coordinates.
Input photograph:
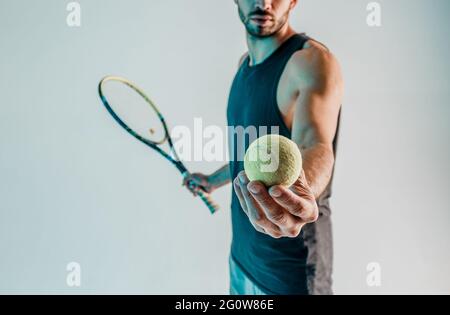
(133, 110)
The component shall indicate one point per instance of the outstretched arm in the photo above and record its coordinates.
(280, 211)
(316, 115)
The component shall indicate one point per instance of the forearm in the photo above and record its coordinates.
(318, 162)
(221, 177)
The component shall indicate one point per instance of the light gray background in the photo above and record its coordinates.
(74, 187)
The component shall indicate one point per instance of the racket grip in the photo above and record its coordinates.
(212, 206)
(204, 196)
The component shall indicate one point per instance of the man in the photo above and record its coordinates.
(282, 241)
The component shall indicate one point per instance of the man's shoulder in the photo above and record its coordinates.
(315, 62)
(313, 56)
(242, 59)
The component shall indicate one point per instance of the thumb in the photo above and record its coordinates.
(186, 180)
(301, 186)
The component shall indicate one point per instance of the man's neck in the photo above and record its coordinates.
(260, 49)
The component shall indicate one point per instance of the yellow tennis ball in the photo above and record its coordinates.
(273, 160)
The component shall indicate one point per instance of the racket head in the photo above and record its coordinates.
(133, 110)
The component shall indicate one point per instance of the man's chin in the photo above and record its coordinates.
(260, 32)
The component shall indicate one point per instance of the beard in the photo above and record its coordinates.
(260, 31)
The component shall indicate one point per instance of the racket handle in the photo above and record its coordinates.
(212, 206)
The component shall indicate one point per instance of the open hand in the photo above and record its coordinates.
(277, 211)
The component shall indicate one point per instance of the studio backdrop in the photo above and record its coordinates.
(79, 195)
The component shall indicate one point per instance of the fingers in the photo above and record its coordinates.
(237, 189)
(300, 206)
(253, 210)
(287, 222)
(279, 211)
(302, 188)
(192, 184)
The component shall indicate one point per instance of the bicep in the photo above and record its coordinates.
(317, 109)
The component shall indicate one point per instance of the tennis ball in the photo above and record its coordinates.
(273, 160)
